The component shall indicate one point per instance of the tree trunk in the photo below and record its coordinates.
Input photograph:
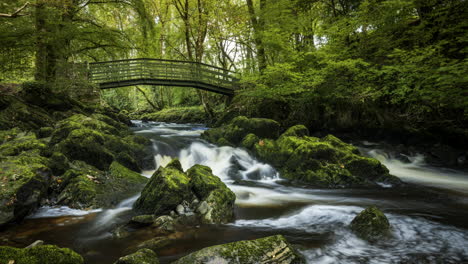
(258, 25)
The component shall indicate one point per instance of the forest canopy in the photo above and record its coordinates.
(410, 55)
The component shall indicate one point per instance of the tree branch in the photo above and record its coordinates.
(16, 13)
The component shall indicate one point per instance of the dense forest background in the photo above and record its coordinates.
(335, 64)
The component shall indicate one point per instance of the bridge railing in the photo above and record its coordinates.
(163, 70)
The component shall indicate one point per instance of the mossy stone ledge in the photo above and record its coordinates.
(273, 249)
(142, 256)
(39, 255)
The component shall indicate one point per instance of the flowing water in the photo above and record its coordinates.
(429, 217)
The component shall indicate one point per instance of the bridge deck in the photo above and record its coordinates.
(121, 73)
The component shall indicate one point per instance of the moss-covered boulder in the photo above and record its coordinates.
(217, 200)
(24, 175)
(84, 186)
(371, 224)
(142, 256)
(167, 188)
(323, 162)
(273, 249)
(98, 140)
(39, 255)
(240, 127)
(192, 114)
(197, 196)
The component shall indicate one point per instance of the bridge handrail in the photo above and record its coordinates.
(166, 72)
(163, 60)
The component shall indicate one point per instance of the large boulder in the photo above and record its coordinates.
(167, 188)
(323, 162)
(84, 186)
(371, 224)
(217, 200)
(196, 196)
(98, 140)
(39, 255)
(241, 126)
(273, 249)
(24, 176)
(142, 256)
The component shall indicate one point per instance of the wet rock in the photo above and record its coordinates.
(371, 224)
(142, 220)
(180, 209)
(217, 198)
(39, 255)
(203, 208)
(142, 256)
(84, 186)
(443, 155)
(121, 232)
(155, 243)
(273, 249)
(323, 162)
(170, 188)
(165, 223)
(167, 188)
(240, 127)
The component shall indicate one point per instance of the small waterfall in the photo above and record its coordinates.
(228, 163)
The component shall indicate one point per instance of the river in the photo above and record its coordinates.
(429, 217)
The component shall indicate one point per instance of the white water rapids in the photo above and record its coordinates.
(308, 213)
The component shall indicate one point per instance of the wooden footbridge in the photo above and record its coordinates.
(121, 73)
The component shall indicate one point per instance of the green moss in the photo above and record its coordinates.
(84, 186)
(221, 206)
(16, 143)
(39, 255)
(44, 132)
(273, 249)
(249, 141)
(58, 163)
(142, 256)
(240, 127)
(296, 131)
(24, 179)
(202, 181)
(194, 114)
(371, 224)
(86, 145)
(326, 162)
(167, 188)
